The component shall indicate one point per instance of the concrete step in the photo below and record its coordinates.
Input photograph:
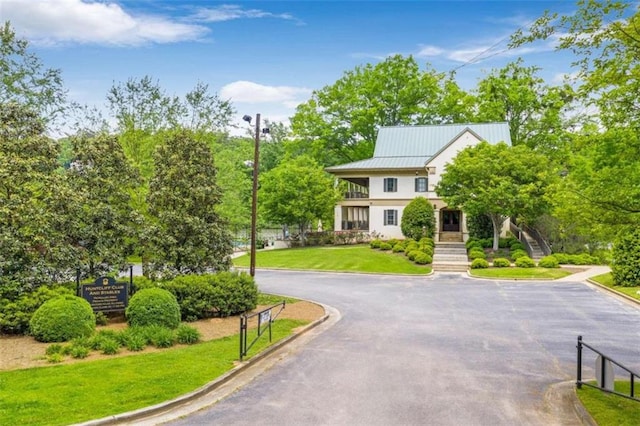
(450, 257)
(450, 266)
(451, 250)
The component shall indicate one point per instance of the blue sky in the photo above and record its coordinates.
(267, 56)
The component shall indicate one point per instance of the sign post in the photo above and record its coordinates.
(106, 295)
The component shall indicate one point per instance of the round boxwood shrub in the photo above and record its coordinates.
(418, 219)
(517, 245)
(385, 246)
(501, 262)
(626, 259)
(477, 254)
(410, 247)
(153, 306)
(374, 244)
(518, 253)
(479, 264)
(525, 262)
(549, 262)
(422, 258)
(398, 248)
(62, 318)
(412, 254)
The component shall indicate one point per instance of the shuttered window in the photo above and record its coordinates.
(422, 184)
(391, 217)
(390, 185)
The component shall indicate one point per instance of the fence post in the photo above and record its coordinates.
(579, 372)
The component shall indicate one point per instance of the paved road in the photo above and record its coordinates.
(442, 350)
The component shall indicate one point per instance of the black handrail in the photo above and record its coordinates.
(604, 359)
(544, 246)
(264, 317)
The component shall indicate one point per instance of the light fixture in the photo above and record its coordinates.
(247, 118)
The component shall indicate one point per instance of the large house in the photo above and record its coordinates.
(407, 163)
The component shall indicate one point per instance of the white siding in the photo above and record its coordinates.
(465, 140)
(406, 188)
(376, 222)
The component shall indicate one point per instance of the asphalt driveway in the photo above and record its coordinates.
(441, 350)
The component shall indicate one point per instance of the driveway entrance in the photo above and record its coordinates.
(441, 350)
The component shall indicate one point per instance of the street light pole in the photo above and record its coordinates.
(254, 200)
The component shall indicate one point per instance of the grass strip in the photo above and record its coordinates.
(73, 393)
(607, 280)
(608, 409)
(520, 273)
(358, 258)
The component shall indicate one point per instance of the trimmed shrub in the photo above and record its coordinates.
(549, 262)
(426, 242)
(472, 242)
(479, 264)
(109, 346)
(224, 294)
(418, 219)
(163, 338)
(562, 258)
(79, 352)
(422, 258)
(411, 247)
(187, 335)
(506, 242)
(15, 315)
(487, 242)
(153, 306)
(392, 242)
(375, 244)
(501, 262)
(525, 262)
(407, 241)
(62, 319)
(477, 254)
(518, 253)
(398, 248)
(626, 259)
(385, 246)
(517, 245)
(413, 253)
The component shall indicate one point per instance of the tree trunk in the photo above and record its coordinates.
(302, 227)
(497, 221)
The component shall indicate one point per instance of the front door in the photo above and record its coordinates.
(450, 221)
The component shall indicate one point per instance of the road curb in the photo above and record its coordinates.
(209, 387)
(611, 290)
(564, 403)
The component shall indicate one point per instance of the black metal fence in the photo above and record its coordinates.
(261, 322)
(604, 372)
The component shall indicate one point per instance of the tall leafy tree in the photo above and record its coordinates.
(340, 122)
(186, 234)
(100, 222)
(497, 180)
(25, 80)
(297, 192)
(535, 111)
(28, 192)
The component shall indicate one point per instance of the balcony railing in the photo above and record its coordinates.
(355, 194)
(349, 225)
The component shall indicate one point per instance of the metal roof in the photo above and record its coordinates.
(401, 147)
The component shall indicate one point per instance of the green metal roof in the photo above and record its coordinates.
(408, 147)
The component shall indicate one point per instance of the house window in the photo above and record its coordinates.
(422, 184)
(391, 217)
(390, 185)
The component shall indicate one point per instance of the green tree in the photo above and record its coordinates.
(186, 234)
(605, 38)
(535, 111)
(340, 122)
(25, 80)
(101, 222)
(29, 195)
(297, 192)
(497, 180)
(418, 219)
(626, 258)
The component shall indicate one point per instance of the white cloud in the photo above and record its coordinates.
(254, 93)
(428, 51)
(229, 12)
(77, 21)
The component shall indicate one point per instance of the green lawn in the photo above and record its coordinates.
(64, 394)
(358, 258)
(610, 410)
(607, 280)
(520, 273)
